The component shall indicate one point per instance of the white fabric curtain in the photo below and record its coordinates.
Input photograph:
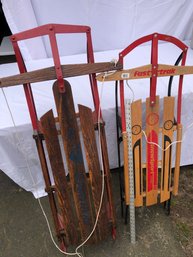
(115, 24)
(20, 16)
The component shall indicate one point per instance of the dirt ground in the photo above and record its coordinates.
(23, 231)
(182, 211)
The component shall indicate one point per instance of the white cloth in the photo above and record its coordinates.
(20, 16)
(12, 159)
(115, 24)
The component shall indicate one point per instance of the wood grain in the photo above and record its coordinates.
(55, 157)
(68, 70)
(74, 158)
(90, 146)
(167, 139)
(177, 163)
(146, 72)
(108, 182)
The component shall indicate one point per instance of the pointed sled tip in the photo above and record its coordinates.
(46, 115)
(55, 86)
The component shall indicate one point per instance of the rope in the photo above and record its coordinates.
(34, 184)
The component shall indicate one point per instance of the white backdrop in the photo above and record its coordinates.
(115, 24)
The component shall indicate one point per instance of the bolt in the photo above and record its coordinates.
(155, 35)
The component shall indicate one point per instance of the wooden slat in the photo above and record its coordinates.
(167, 138)
(108, 179)
(46, 175)
(152, 132)
(136, 121)
(54, 152)
(74, 158)
(126, 74)
(88, 132)
(69, 70)
(177, 163)
(146, 72)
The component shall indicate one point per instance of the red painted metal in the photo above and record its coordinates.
(56, 58)
(154, 38)
(172, 40)
(133, 45)
(27, 87)
(152, 163)
(154, 62)
(92, 77)
(148, 38)
(51, 30)
(45, 30)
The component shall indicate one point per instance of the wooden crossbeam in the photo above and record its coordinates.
(146, 71)
(69, 70)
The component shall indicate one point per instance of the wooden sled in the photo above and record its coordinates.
(79, 195)
(74, 199)
(154, 179)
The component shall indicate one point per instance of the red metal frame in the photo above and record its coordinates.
(51, 30)
(154, 38)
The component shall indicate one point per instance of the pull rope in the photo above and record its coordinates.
(174, 142)
(35, 186)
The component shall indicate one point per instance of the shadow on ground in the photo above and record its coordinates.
(23, 230)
